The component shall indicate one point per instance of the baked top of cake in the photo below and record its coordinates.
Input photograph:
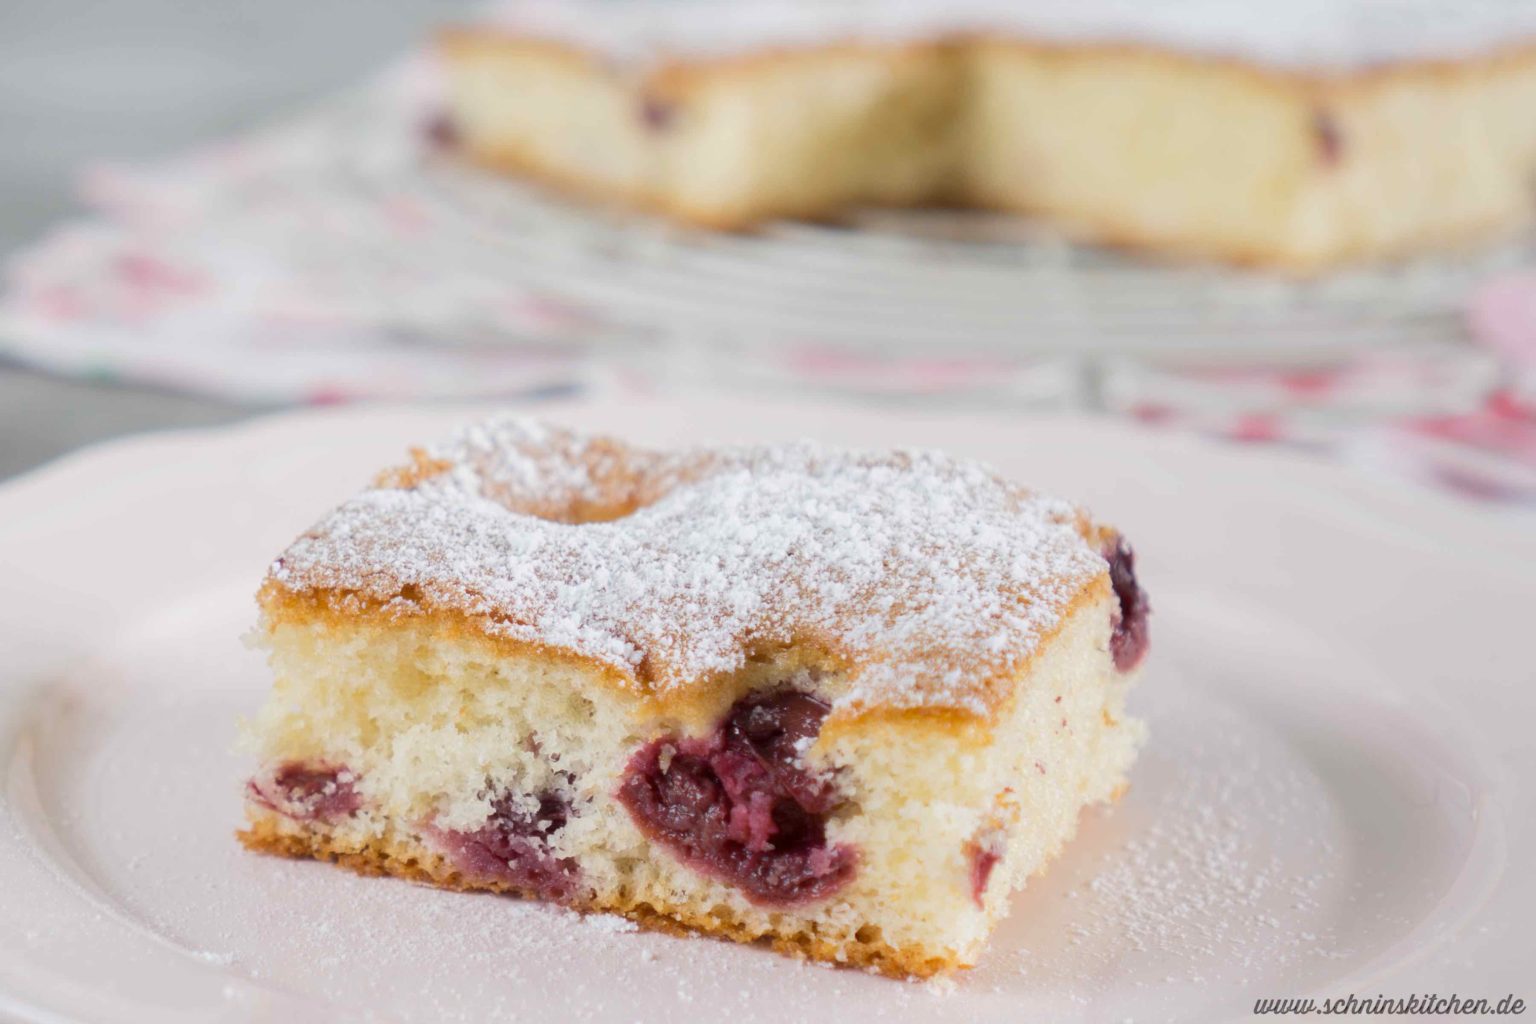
(1326, 35)
(928, 581)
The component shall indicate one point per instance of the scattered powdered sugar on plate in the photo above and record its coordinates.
(1201, 874)
(613, 924)
(930, 579)
(1196, 884)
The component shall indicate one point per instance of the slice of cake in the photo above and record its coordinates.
(847, 703)
(1297, 134)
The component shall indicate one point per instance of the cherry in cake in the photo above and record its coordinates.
(305, 792)
(513, 847)
(739, 805)
(842, 703)
(1128, 641)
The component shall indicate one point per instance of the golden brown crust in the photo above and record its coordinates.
(1106, 232)
(1305, 82)
(506, 160)
(1123, 237)
(385, 858)
(421, 467)
(700, 702)
(679, 74)
(674, 78)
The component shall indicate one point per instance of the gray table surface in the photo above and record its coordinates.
(84, 80)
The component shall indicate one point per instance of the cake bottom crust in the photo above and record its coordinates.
(387, 857)
(1103, 231)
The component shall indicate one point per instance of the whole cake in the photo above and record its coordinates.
(1296, 134)
(843, 702)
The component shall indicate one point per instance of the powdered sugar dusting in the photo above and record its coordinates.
(1196, 887)
(927, 577)
(1200, 877)
(611, 924)
(1307, 34)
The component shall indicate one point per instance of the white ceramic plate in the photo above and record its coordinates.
(1335, 798)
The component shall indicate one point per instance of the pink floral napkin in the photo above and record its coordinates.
(276, 268)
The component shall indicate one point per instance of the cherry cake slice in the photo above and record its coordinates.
(842, 703)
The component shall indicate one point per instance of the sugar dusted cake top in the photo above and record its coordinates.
(1301, 34)
(930, 580)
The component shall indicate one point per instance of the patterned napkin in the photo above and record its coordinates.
(276, 267)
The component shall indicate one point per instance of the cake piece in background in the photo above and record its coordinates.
(1293, 134)
(843, 702)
